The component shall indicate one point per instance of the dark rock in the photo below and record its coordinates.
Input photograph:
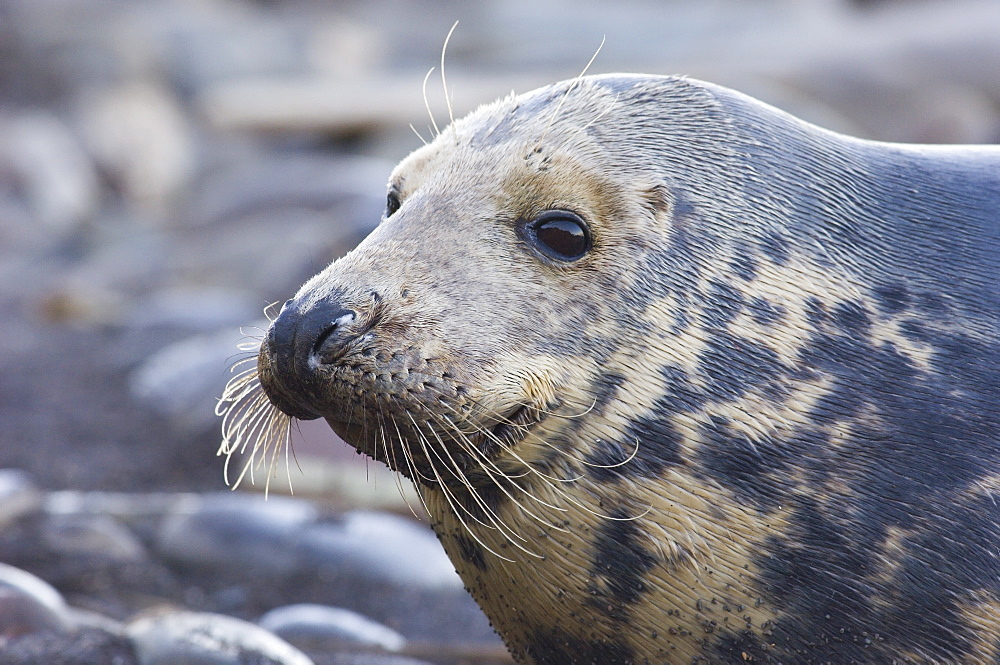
(87, 646)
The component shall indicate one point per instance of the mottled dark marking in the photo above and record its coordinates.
(680, 261)
(775, 247)
(723, 303)
(891, 298)
(731, 365)
(816, 313)
(909, 462)
(852, 318)
(765, 312)
(557, 647)
(933, 303)
(680, 394)
(915, 331)
(604, 389)
(471, 551)
(812, 574)
(756, 472)
(744, 266)
(683, 208)
(650, 445)
(620, 563)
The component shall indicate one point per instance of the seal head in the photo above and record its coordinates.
(679, 378)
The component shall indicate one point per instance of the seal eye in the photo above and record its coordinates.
(558, 234)
(391, 203)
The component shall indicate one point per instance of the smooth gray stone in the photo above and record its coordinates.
(184, 380)
(235, 530)
(379, 546)
(28, 604)
(308, 625)
(18, 495)
(95, 536)
(200, 638)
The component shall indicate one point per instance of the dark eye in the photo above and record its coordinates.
(558, 234)
(391, 203)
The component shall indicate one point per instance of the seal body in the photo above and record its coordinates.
(680, 378)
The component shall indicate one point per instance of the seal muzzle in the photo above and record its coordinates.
(300, 341)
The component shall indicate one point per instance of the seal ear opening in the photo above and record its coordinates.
(657, 198)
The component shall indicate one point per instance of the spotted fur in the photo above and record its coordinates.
(761, 417)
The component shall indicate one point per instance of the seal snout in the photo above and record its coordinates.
(301, 340)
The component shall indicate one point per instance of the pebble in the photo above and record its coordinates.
(370, 545)
(375, 659)
(56, 178)
(141, 137)
(201, 638)
(28, 604)
(87, 646)
(19, 495)
(97, 536)
(236, 530)
(184, 380)
(310, 626)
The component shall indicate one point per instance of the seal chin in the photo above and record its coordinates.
(406, 450)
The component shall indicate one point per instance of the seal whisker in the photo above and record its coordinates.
(422, 140)
(427, 104)
(566, 94)
(444, 80)
(248, 414)
(485, 464)
(531, 469)
(404, 449)
(249, 343)
(554, 484)
(390, 453)
(282, 443)
(416, 474)
(497, 522)
(258, 420)
(456, 506)
(495, 478)
(425, 443)
(262, 422)
(250, 358)
(635, 451)
(269, 312)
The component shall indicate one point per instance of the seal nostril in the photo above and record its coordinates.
(332, 340)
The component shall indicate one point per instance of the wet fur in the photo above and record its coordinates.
(762, 415)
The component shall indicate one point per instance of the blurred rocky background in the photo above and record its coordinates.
(168, 168)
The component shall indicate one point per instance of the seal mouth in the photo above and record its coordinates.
(510, 430)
